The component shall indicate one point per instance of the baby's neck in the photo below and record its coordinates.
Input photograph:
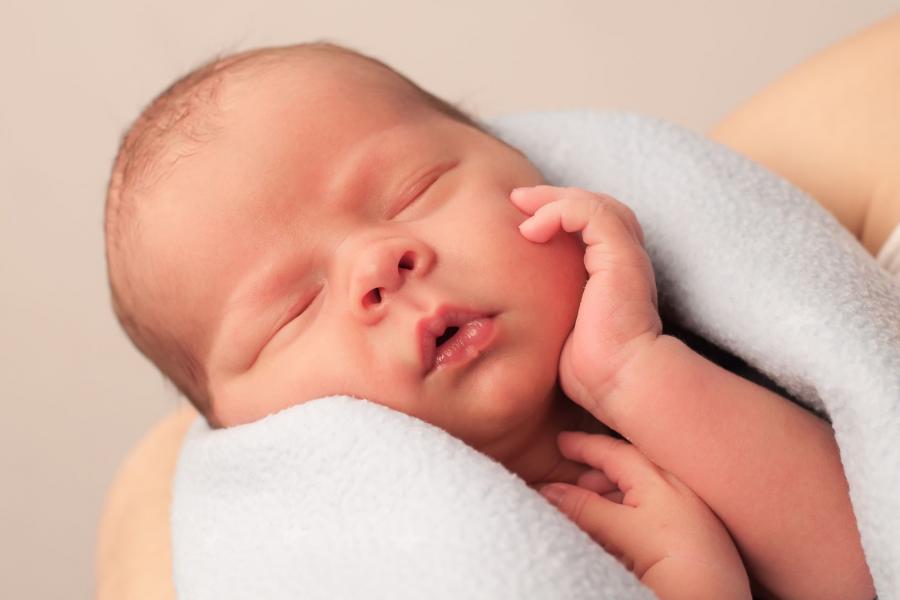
(538, 460)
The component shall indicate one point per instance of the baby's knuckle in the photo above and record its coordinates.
(605, 198)
(577, 506)
(583, 195)
(629, 213)
(597, 208)
(546, 209)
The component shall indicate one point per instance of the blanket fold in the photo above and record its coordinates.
(342, 498)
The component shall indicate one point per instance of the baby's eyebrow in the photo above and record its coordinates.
(370, 171)
(354, 177)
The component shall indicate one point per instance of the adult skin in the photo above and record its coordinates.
(830, 126)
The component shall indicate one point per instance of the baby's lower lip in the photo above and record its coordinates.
(471, 339)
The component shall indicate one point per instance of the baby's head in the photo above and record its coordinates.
(288, 223)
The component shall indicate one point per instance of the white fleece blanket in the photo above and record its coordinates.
(342, 498)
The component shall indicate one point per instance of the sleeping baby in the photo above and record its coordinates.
(291, 223)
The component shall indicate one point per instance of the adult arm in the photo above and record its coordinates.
(831, 126)
(134, 556)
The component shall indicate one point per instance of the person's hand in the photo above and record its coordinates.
(650, 521)
(618, 313)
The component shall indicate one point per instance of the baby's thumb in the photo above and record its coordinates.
(607, 522)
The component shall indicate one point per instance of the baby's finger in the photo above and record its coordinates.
(612, 525)
(603, 229)
(621, 462)
(596, 481)
(543, 224)
(615, 496)
(529, 199)
(587, 213)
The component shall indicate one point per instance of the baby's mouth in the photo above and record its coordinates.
(453, 335)
(448, 334)
(466, 344)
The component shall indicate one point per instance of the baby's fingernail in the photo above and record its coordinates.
(517, 192)
(553, 493)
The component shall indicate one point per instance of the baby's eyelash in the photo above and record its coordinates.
(425, 184)
(415, 197)
(300, 307)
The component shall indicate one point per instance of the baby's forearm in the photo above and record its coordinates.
(769, 469)
(672, 579)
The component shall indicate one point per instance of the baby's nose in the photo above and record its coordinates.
(381, 271)
(389, 281)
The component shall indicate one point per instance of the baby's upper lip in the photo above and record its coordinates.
(432, 327)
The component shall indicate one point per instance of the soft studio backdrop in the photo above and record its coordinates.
(77, 396)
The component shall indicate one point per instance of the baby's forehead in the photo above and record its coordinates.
(314, 115)
(306, 132)
(281, 141)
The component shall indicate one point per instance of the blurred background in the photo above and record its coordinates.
(74, 75)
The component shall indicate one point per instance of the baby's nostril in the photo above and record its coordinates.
(373, 297)
(407, 261)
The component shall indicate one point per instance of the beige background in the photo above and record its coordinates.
(76, 394)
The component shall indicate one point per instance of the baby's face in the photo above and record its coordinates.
(313, 240)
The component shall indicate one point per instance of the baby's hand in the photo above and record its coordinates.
(618, 312)
(645, 517)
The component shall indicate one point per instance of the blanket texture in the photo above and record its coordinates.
(342, 498)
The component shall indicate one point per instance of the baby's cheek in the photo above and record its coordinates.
(563, 263)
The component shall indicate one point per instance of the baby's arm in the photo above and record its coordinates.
(769, 469)
(650, 521)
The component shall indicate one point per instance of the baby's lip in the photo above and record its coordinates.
(432, 327)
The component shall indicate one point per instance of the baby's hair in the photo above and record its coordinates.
(174, 124)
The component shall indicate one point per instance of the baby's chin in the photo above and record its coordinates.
(504, 422)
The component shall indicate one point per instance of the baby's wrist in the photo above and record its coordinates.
(674, 578)
(616, 398)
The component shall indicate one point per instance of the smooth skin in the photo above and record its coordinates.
(831, 127)
(848, 166)
(328, 218)
(682, 550)
(681, 410)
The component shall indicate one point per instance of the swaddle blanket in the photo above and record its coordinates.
(342, 498)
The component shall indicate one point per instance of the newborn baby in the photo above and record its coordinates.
(291, 223)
